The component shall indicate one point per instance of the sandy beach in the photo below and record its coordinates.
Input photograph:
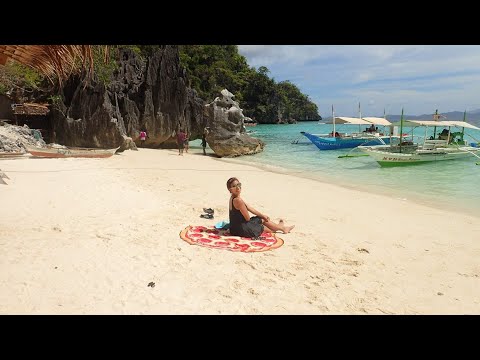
(86, 236)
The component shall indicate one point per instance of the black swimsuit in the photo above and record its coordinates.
(241, 227)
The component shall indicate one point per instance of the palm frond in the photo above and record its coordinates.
(53, 61)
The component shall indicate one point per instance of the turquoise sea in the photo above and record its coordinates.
(445, 184)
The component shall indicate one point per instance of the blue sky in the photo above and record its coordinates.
(419, 78)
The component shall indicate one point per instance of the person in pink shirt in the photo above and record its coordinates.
(143, 137)
(181, 141)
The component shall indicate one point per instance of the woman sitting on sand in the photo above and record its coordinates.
(241, 224)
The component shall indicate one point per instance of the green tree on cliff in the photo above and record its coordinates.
(212, 68)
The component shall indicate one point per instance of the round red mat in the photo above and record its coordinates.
(210, 237)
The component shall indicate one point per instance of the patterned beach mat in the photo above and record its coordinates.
(210, 237)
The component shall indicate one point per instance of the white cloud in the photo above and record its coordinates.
(417, 77)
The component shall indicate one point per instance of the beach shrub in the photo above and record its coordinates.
(104, 63)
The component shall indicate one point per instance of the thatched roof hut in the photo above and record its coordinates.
(31, 109)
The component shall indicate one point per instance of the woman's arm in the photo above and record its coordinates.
(256, 212)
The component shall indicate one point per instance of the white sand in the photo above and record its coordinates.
(86, 236)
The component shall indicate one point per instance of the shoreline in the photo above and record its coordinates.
(378, 190)
(86, 236)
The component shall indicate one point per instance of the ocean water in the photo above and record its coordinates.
(446, 184)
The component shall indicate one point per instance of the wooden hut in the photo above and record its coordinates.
(34, 116)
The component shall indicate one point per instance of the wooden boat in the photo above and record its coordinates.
(6, 155)
(430, 150)
(57, 152)
(407, 153)
(335, 141)
(338, 140)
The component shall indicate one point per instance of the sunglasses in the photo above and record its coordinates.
(239, 185)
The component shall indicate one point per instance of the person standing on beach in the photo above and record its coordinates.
(185, 142)
(143, 136)
(241, 224)
(204, 140)
(180, 141)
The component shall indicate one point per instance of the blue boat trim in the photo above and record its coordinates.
(334, 143)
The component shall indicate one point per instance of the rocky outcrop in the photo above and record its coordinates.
(87, 118)
(150, 95)
(227, 136)
(6, 111)
(14, 138)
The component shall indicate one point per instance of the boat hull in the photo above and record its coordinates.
(70, 152)
(6, 155)
(335, 143)
(389, 159)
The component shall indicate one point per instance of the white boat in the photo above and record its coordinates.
(448, 146)
(65, 152)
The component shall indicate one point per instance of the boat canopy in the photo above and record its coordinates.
(415, 123)
(445, 123)
(461, 124)
(350, 120)
(377, 121)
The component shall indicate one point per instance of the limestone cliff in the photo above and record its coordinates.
(149, 95)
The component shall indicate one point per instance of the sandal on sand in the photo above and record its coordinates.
(209, 210)
(207, 216)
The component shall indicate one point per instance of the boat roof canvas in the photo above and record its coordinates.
(445, 123)
(414, 123)
(377, 121)
(425, 122)
(350, 120)
(461, 124)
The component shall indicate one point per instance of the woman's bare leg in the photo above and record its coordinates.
(270, 225)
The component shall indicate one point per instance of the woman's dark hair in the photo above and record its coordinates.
(230, 181)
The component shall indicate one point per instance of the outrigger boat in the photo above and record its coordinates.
(448, 146)
(340, 140)
(337, 140)
(65, 152)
